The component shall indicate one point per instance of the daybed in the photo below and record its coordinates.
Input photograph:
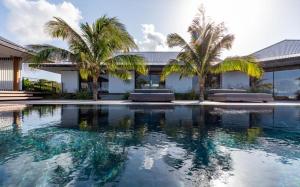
(152, 95)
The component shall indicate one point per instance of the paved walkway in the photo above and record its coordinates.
(122, 102)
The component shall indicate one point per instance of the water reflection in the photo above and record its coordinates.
(155, 146)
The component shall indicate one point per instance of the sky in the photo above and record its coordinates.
(256, 24)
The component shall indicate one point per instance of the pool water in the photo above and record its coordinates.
(73, 145)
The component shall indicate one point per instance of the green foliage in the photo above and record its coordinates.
(41, 85)
(247, 65)
(126, 96)
(200, 56)
(100, 48)
(80, 95)
(83, 95)
(192, 95)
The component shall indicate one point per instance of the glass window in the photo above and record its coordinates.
(287, 83)
(88, 84)
(266, 84)
(152, 80)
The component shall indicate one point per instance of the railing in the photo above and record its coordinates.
(41, 85)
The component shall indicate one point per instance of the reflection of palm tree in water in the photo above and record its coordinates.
(91, 157)
(207, 160)
(101, 156)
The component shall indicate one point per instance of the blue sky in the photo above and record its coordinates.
(255, 23)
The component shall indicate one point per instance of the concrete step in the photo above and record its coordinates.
(16, 94)
(19, 98)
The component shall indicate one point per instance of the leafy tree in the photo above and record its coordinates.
(99, 48)
(200, 56)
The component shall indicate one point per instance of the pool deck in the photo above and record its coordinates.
(124, 102)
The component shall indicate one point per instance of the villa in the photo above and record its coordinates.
(280, 61)
(96, 100)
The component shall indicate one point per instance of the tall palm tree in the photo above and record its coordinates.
(200, 56)
(99, 48)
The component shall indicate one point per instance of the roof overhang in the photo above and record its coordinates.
(9, 49)
(282, 64)
(58, 67)
(279, 58)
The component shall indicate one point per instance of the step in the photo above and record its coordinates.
(18, 92)
(19, 98)
(16, 95)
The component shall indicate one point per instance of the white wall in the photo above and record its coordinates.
(6, 75)
(116, 85)
(70, 81)
(179, 85)
(235, 80)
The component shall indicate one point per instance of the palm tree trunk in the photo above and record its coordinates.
(95, 87)
(202, 88)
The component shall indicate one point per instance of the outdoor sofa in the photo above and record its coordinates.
(152, 95)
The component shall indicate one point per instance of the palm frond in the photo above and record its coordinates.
(115, 33)
(128, 62)
(217, 49)
(248, 65)
(121, 74)
(49, 53)
(84, 73)
(175, 66)
(58, 28)
(175, 40)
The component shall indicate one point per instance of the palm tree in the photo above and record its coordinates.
(99, 48)
(200, 56)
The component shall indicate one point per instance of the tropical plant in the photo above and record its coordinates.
(99, 48)
(200, 56)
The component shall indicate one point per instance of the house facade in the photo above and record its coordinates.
(155, 61)
(280, 61)
(11, 58)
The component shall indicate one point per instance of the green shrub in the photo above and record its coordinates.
(192, 95)
(41, 85)
(84, 95)
(80, 95)
(126, 96)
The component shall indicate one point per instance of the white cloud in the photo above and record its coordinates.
(153, 41)
(27, 18)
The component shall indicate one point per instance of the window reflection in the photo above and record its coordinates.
(152, 80)
(286, 84)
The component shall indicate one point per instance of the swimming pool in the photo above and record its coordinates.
(82, 145)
